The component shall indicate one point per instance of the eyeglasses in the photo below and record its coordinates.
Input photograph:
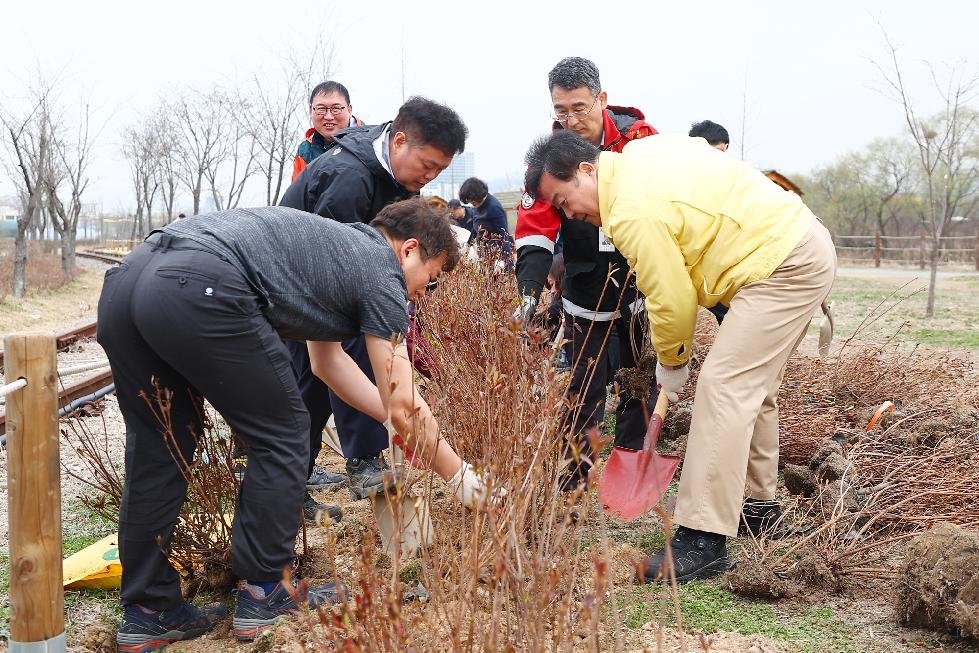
(563, 117)
(431, 286)
(336, 109)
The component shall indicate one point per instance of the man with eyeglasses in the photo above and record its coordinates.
(368, 168)
(602, 309)
(330, 111)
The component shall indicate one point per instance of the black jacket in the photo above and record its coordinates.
(347, 183)
(595, 280)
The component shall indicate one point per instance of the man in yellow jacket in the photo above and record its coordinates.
(700, 228)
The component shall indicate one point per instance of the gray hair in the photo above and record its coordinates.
(574, 72)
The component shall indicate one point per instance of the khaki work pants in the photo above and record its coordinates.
(733, 441)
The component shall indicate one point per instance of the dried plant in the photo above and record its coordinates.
(201, 543)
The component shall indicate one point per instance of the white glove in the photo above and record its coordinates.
(469, 488)
(526, 309)
(671, 381)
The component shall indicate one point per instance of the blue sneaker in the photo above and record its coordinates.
(142, 630)
(324, 479)
(255, 612)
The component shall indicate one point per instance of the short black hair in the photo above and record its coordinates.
(558, 155)
(328, 87)
(414, 218)
(575, 72)
(714, 133)
(429, 123)
(472, 189)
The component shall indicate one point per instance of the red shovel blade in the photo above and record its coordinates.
(632, 482)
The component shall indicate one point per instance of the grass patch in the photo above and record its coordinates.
(4, 595)
(708, 608)
(899, 307)
(953, 339)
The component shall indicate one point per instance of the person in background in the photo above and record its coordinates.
(714, 134)
(717, 137)
(330, 110)
(489, 224)
(462, 216)
(603, 312)
(554, 318)
(701, 228)
(368, 168)
(196, 313)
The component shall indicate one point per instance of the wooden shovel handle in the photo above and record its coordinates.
(656, 422)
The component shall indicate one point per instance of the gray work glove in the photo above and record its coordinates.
(671, 381)
(525, 311)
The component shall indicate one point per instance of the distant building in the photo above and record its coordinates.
(8, 219)
(447, 184)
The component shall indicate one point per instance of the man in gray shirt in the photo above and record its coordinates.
(198, 311)
(368, 168)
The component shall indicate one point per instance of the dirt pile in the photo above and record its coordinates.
(939, 584)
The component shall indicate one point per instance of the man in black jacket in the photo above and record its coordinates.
(603, 314)
(370, 167)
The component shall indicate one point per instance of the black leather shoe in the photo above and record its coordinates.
(696, 555)
(315, 512)
(761, 517)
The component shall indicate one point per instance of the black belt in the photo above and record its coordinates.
(160, 240)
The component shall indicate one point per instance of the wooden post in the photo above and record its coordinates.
(877, 250)
(34, 495)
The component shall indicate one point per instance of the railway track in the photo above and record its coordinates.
(97, 255)
(74, 396)
(67, 339)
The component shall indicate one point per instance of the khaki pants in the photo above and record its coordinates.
(733, 441)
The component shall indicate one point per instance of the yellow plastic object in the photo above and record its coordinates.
(96, 566)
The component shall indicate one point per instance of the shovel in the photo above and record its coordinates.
(405, 526)
(632, 482)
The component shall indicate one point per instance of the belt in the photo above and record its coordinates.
(160, 240)
(600, 316)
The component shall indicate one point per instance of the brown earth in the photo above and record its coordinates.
(866, 607)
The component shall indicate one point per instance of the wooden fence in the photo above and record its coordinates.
(907, 250)
(34, 494)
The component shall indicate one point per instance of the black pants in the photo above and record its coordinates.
(189, 320)
(590, 350)
(360, 435)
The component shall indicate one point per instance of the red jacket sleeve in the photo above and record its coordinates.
(538, 225)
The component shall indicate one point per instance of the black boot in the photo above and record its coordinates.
(761, 517)
(696, 555)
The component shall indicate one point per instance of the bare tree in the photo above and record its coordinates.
(30, 145)
(868, 191)
(67, 179)
(140, 147)
(233, 163)
(201, 131)
(276, 113)
(946, 149)
(167, 159)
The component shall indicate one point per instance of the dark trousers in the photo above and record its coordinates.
(360, 436)
(316, 398)
(188, 320)
(590, 350)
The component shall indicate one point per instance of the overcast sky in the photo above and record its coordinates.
(794, 82)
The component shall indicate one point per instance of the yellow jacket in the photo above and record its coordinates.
(696, 225)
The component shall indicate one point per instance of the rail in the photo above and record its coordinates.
(908, 250)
